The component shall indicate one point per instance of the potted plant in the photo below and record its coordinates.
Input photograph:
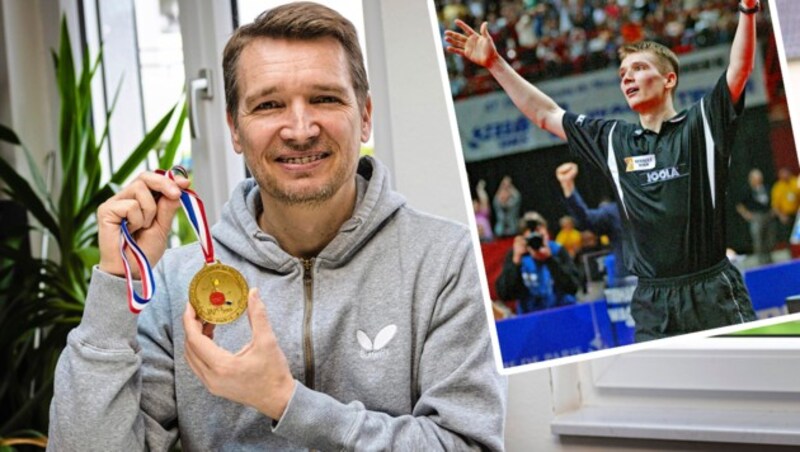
(41, 299)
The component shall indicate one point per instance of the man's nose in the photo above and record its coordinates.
(626, 78)
(301, 124)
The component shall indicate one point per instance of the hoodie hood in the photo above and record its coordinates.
(238, 231)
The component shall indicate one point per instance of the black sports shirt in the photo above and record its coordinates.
(671, 186)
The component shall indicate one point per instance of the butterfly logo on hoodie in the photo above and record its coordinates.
(371, 347)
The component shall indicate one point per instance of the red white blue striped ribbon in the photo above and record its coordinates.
(136, 302)
(196, 213)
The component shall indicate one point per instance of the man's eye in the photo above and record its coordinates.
(326, 100)
(269, 105)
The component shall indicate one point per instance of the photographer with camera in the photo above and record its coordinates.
(537, 272)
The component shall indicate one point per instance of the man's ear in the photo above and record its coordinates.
(366, 119)
(237, 146)
(672, 80)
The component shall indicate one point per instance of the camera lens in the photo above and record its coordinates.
(535, 240)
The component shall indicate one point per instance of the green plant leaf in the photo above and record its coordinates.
(90, 256)
(65, 80)
(168, 157)
(8, 135)
(90, 207)
(19, 189)
(36, 174)
(140, 153)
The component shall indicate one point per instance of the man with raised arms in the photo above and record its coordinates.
(669, 174)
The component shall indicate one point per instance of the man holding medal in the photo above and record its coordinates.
(365, 326)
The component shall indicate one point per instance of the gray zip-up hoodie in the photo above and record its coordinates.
(385, 333)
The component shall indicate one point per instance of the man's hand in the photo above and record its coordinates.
(478, 48)
(566, 174)
(257, 375)
(520, 248)
(149, 219)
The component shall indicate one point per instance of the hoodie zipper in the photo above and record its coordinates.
(308, 344)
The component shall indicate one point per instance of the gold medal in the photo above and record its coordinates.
(218, 293)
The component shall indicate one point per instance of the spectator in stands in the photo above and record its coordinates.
(785, 202)
(590, 246)
(480, 205)
(506, 208)
(568, 236)
(454, 9)
(604, 220)
(756, 209)
(537, 271)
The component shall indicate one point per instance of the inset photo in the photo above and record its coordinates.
(632, 167)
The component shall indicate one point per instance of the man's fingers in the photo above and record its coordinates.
(203, 348)
(165, 212)
(140, 201)
(153, 182)
(485, 31)
(192, 325)
(257, 314)
(115, 212)
(456, 50)
(466, 28)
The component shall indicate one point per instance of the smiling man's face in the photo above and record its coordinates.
(644, 86)
(299, 123)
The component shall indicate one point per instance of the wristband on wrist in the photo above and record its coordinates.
(749, 11)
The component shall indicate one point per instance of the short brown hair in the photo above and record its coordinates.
(294, 21)
(667, 60)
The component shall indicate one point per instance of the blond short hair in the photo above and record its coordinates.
(666, 60)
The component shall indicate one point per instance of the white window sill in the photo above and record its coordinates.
(740, 390)
(715, 425)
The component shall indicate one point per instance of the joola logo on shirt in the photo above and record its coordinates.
(662, 175)
(640, 163)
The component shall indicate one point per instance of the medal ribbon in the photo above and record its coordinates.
(196, 213)
(136, 302)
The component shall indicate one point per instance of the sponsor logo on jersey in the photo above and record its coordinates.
(580, 120)
(662, 175)
(640, 163)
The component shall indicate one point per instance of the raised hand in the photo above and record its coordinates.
(149, 219)
(476, 47)
(566, 174)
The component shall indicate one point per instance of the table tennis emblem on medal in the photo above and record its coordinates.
(218, 293)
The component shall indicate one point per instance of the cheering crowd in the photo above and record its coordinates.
(544, 39)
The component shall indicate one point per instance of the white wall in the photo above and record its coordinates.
(413, 132)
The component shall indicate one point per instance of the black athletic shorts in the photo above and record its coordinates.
(711, 298)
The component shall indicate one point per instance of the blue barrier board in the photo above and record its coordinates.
(769, 286)
(555, 333)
